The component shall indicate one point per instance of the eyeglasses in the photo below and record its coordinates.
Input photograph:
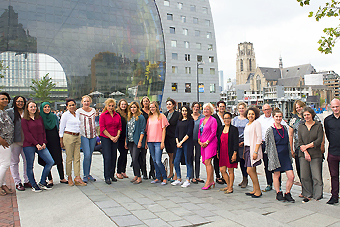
(266, 109)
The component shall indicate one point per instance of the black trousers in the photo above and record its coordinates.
(142, 162)
(109, 153)
(135, 154)
(60, 168)
(197, 161)
(297, 163)
(122, 160)
(217, 166)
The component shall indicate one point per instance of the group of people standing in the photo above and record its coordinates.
(188, 136)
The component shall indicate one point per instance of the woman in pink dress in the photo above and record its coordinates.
(208, 141)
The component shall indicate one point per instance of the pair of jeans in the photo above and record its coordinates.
(45, 155)
(109, 153)
(122, 160)
(135, 154)
(177, 163)
(156, 154)
(87, 146)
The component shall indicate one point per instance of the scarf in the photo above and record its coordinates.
(49, 119)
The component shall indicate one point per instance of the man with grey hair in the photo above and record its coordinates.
(332, 130)
(267, 120)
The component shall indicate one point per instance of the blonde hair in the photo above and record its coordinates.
(122, 113)
(210, 107)
(157, 109)
(242, 104)
(107, 102)
(138, 113)
(301, 104)
(86, 96)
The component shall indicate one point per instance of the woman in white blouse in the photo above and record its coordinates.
(69, 134)
(88, 134)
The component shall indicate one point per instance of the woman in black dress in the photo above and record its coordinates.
(122, 160)
(51, 123)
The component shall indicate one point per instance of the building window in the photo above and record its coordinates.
(210, 47)
(195, 20)
(241, 65)
(212, 88)
(198, 46)
(207, 22)
(179, 5)
(211, 59)
(169, 16)
(172, 30)
(188, 70)
(174, 69)
(200, 70)
(212, 71)
(187, 87)
(173, 43)
(174, 87)
(250, 65)
(192, 8)
(187, 57)
(199, 58)
(258, 83)
(197, 33)
(174, 56)
(166, 2)
(201, 87)
(186, 44)
(183, 19)
(205, 10)
(185, 31)
(208, 35)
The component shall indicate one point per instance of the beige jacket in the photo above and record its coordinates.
(255, 137)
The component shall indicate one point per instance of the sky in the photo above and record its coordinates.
(276, 28)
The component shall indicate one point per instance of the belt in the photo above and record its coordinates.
(72, 133)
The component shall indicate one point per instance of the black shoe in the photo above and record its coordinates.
(289, 198)
(305, 200)
(219, 181)
(108, 181)
(45, 186)
(145, 177)
(333, 200)
(279, 197)
(194, 182)
(152, 175)
(249, 194)
(256, 196)
(114, 179)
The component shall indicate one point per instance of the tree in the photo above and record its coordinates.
(331, 9)
(42, 88)
(2, 73)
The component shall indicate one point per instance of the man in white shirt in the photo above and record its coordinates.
(266, 121)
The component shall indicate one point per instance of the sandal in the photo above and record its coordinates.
(2, 192)
(200, 180)
(194, 181)
(219, 181)
(223, 189)
(124, 175)
(228, 192)
(6, 189)
(119, 176)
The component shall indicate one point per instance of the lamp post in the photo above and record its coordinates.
(198, 94)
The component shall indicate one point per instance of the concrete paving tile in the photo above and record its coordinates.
(128, 220)
(215, 218)
(168, 216)
(178, 199)
(156, 197)
(251, 217)
(204, 213)
(107, 204)
(180, 223)
(190, 206)
(168, 204)
(144, 201)
(116, 211)
(123, 199)
(208, 206)
(195, 219)
(317, 220)
(133, 194)
(290, 214)
(154, 207)
(155, 222)
(132, 206)
(336, 224)
(223, 223)
(181, 211)
(143, 214)
(98, 198)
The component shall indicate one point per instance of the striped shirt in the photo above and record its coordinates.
(87, 123)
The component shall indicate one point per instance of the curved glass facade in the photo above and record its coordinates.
(85, 46)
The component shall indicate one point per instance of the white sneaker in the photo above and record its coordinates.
(176, 182)
(185, 184)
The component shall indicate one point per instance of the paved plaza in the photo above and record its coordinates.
(126, 204)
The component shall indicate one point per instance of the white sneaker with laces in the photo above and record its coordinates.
(176, 182)
(185, 184)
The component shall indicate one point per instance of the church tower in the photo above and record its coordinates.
(245, 62)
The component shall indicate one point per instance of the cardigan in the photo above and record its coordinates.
(315, 135)
(139, 129)
(184, 128)
(255, 137)
(171, 129)
(232, 141)
(17, 125)
(34, 132)
(273, 157)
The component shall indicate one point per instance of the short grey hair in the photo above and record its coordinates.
(210, 106)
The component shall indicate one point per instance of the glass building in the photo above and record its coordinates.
(84, 46)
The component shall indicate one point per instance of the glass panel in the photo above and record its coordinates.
(187, 87)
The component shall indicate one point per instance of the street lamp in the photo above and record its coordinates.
(198, 94)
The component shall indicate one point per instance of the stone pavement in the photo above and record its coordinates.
(126, 204)
(9, 214)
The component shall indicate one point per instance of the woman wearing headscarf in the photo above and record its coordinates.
(51, 124)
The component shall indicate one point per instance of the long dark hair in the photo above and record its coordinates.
(15, 107)
(189, 112)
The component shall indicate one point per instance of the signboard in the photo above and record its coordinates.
(201, 88)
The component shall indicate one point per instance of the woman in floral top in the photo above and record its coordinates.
(6, 139)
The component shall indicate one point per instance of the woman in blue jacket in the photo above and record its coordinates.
(135, 140)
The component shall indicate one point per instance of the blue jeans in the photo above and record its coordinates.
(156, 154)
(88, 147)
(109, 153)
(177, 161)
(30, 155)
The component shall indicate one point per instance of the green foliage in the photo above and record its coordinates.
(330, 9)
(2, 73)
(322, 101)
(42, 88)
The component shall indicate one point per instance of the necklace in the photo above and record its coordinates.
(283, 131)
